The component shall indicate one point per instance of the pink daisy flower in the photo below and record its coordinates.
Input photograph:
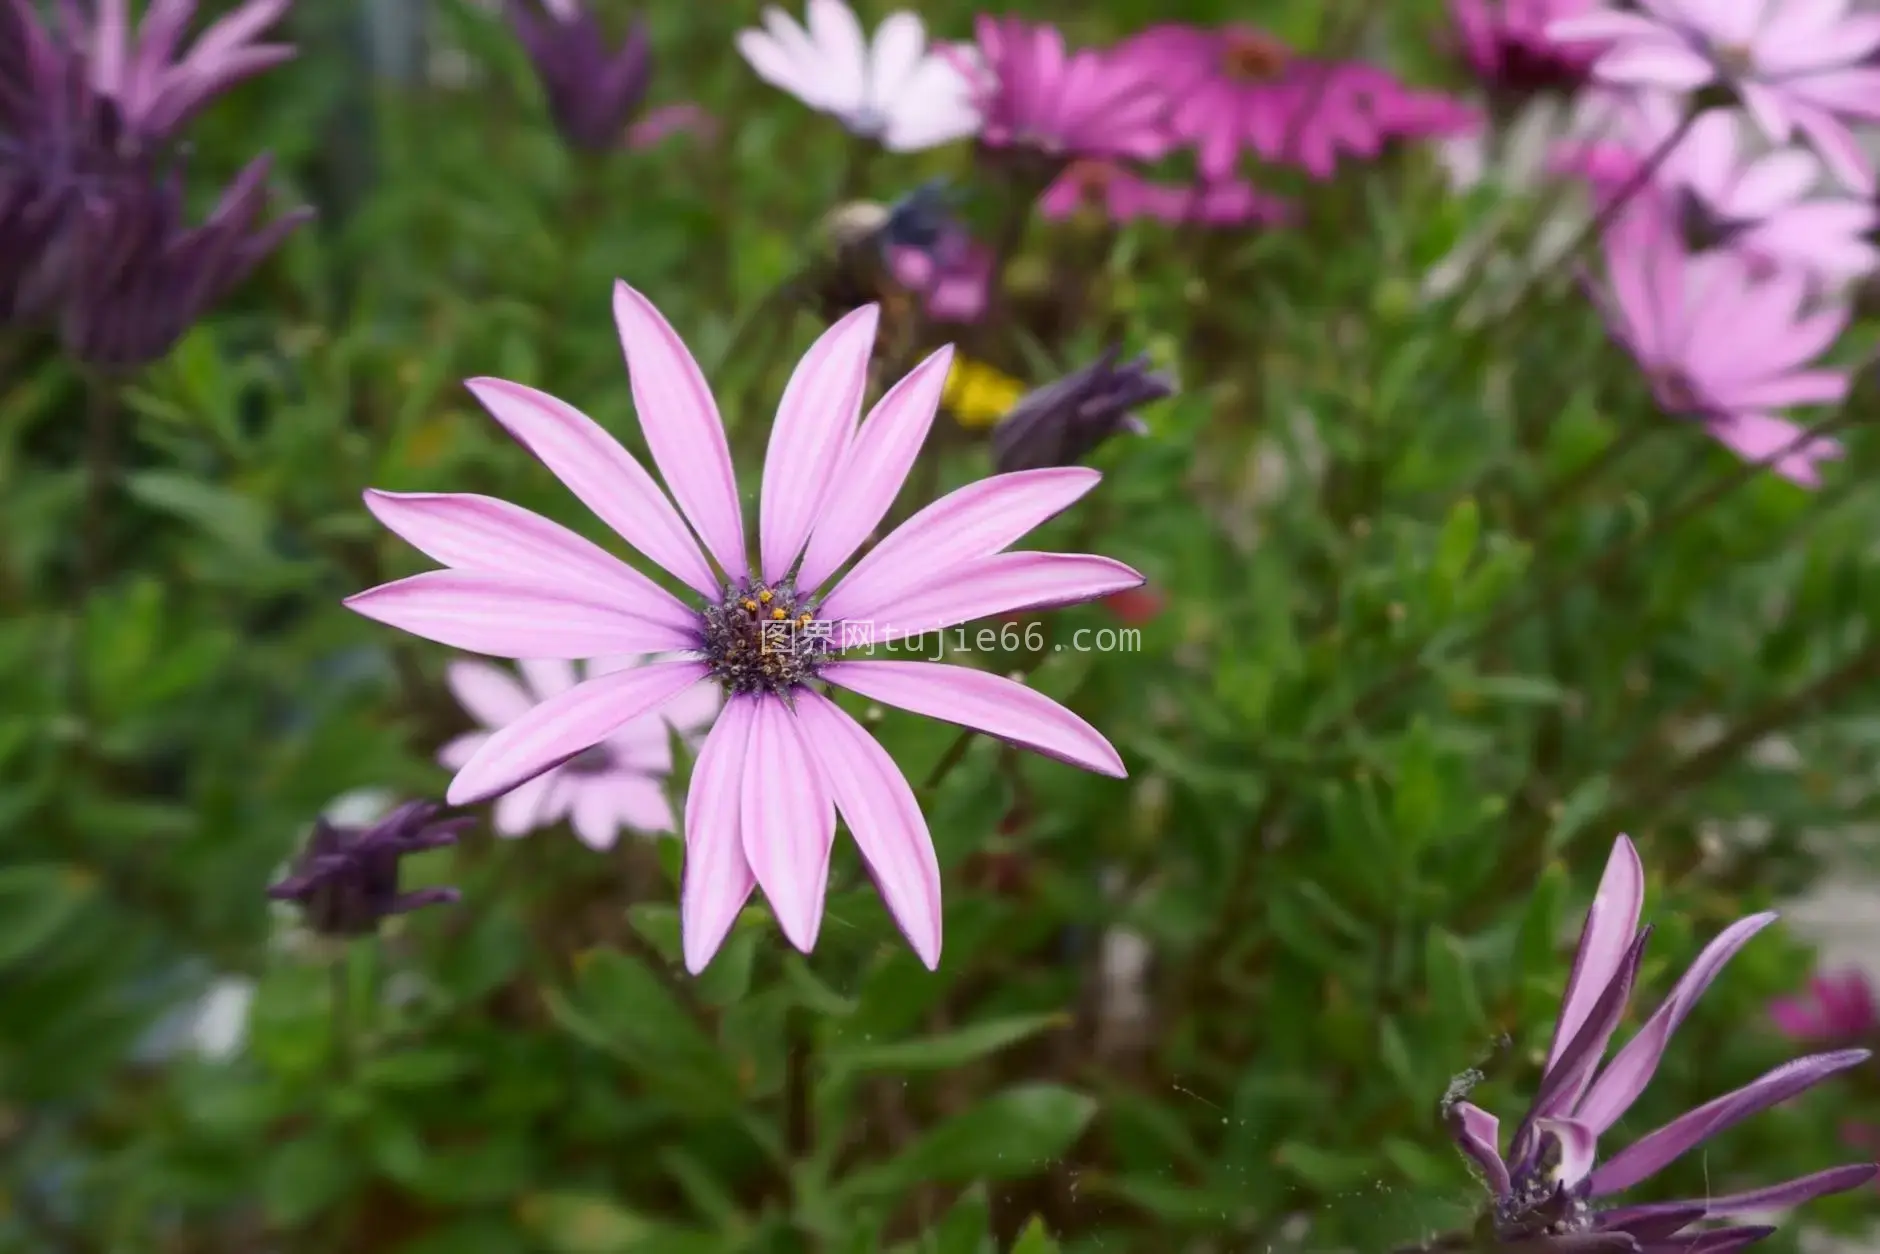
(1033, 93)
(1507, 44)
(1722, 344)
(1123, 196)
(1837, 1006)
(781, 759)
(619, 782)
(1796, 65)
(1240, 89)
(1760, 206)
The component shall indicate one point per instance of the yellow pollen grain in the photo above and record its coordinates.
(750, 605)
(764, 596)
(778, 614)
(803, 619)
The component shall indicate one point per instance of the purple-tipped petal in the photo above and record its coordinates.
(717, 879)
(563, 726)
(876, 466)
(1639, 1220)
(1477, 1134)
(1651, 1153)
(605, 477)
(483, 534)
(883, 817)
(1626, 1076)
(1611, 923)
(975, 521)
(1003, 584)
(815, 422)
(682, 427)
(1563, 1083)
(984, 702)
(1651, 1223)
(504, 616)
(788, 822)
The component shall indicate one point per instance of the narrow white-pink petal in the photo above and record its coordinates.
(503, 616)
(875, 468)
(526, 808)
(459, 749)
(602, 475)
(489, 694)
(470, 532)
(884, 818)
(788, 822)
(594, 813)
(815, 421)
(1001, 584)
(682, 427)
(1611, 924)
(640, 803)
(984, 702)
(977, 520)
(548, 677)
(717, 880)
(563, 726)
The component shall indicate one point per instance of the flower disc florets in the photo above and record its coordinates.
(1537, 1204)
(764, 639)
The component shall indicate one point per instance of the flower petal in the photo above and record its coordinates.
(815, 422)
(1651, 1153)
(1476, 1133)
(1002, 584)
(489, 694)
(977, 520)
(984, 702)
(788, 822)
(875, 468)
(1578, 1145)
(717, 880)
(1611, 923)
(527, 808)
(480, 533)
(682, 427)
(602, 475)
(1566, 1079)
(884, 818)
(504, 616)
(1784, 1196)
(563, 726)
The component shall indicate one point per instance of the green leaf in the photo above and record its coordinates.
(1451, 982)
(943, 1051)
(1012, 1134)
(415, 1068)
(1455, 546)
(966, 1228)
(1035, 1239)
(37, 900)
(1328, 1171)
(621, 1007)
(585, 1223)
(1538, 939)
(236, 522)
(1581, 807)
(306, 1175)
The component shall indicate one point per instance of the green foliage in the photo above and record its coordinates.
(1426, 643)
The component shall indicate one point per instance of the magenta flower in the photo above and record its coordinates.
(1032, 93)
(1760, 206)
(1837, 1006)
(1799, 65)
(619, 782)
(1507, 44)
(154, 90)
(1546, 1187)
(952, 276)
(1721, 343)
(1121, 195)
(782, 759)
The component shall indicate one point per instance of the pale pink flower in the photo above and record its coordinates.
(1034, 93)
(1721, 343)
(619, 782)
(782, 759)
(1795, 64)
(1121, 195)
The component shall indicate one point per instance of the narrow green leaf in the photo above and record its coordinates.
(1012, 1134)
(944, 1051)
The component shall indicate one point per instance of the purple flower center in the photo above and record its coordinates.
(764, 639)
(1092, 179)
(1538, 1203)
(1251, 56)
(1676, 392)
(1735, 60)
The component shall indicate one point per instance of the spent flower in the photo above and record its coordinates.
(893, 88)
(345, 881)
(619, 782)
(1063, 422)
(594, 87)
(782, 759)
(1551, 1183)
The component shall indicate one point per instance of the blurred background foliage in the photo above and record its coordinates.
(1420, 644)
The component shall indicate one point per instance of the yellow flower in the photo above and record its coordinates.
(979, 395)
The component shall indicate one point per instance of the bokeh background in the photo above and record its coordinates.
(1416, 644)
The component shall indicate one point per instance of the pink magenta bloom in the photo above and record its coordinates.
(155, 92)
(782, 759)
(617, 783)
(1721, 343)
(1837, 1006)
(1035, 94)
(1760, 206)
(1553, 1175)
(1507, 44)
(953, 277)
(1795, 64)
(1124, 196)
(1237, 88)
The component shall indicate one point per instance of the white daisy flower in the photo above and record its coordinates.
(894, 90)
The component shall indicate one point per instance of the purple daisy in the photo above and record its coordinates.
(620, 782)
(782, 759)
(1546, 1187)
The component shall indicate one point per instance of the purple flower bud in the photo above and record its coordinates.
(593, 90)
(1063, 422)
(346, 880)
